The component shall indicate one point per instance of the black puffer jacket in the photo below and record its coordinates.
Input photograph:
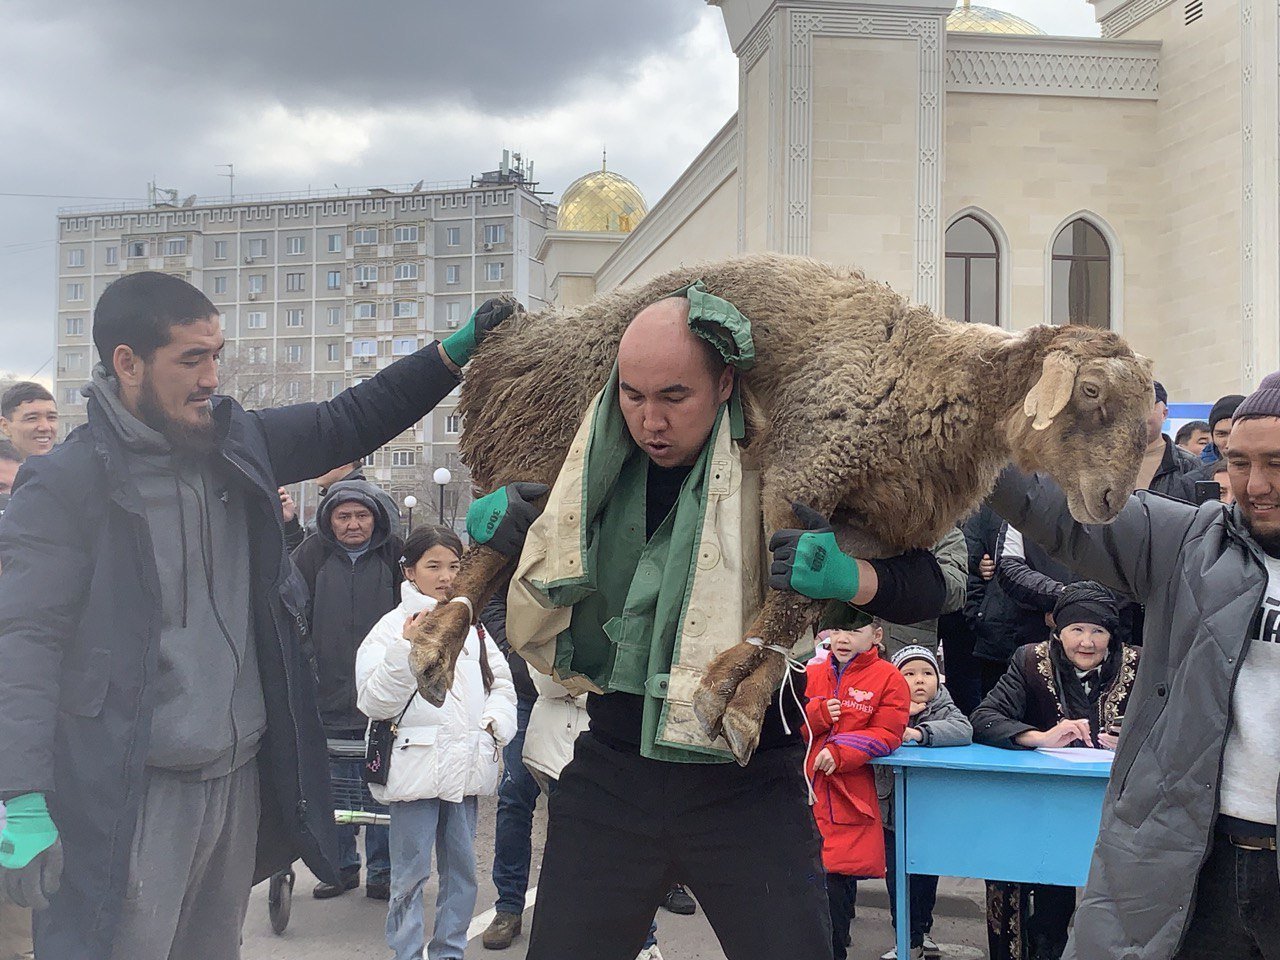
(347, 597)
(1000, 624)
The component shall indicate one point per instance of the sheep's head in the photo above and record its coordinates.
(1084, 420)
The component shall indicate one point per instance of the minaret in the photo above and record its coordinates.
(840, 127)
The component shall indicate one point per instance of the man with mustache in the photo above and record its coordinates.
(1185, 865)
(160, 746)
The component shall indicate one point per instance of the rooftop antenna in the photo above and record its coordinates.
(604, 158)
(231, 178)
(190, 201)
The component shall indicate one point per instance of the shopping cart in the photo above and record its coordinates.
(353, 806)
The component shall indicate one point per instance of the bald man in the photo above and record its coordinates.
(638, 809)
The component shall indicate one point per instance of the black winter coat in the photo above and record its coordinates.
(79, 639)
(1000, 624)
(1040, 688)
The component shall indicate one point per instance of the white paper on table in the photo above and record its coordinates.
(1079, 754)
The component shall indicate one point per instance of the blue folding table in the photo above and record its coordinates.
(1015, 815)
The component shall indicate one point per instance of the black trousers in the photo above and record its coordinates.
(621, 829)
(1237, 911)
(842, 899)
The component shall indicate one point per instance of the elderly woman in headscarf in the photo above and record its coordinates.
(1068, 691)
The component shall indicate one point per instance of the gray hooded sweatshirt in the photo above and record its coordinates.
(209, 711)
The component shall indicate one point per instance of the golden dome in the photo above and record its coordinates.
(967, 19)
(601, 202)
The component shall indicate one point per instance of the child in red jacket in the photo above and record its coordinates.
(857, 710)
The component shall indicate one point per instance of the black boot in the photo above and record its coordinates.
(350, 880)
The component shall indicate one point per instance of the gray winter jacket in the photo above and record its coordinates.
(943, 725)
(1203, 579)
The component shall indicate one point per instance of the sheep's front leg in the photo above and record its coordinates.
(738, 684)
(442, 633)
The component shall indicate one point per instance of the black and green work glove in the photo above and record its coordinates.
(460, 345)
(30, 852)
(810, 562)
(501, 519)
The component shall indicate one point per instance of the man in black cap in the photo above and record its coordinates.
(1220, 418)
(1165, 466)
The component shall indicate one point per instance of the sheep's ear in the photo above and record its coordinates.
(1049, 396)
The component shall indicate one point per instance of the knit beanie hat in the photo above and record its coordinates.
(1087, 602)
(1162, 395)
(1263, 402)
(914, 652)
(1226, 407)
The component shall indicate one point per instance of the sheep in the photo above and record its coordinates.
(883, 416)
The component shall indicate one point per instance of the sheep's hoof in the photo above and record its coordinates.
(709, 704)
(435, 650)
(742, 730)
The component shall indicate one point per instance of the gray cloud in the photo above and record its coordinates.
(493, 55)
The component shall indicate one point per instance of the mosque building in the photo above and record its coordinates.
(1000, 175)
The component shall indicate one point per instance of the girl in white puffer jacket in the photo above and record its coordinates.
(443, 757)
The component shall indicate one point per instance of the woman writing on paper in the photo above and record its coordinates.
(1068, 691)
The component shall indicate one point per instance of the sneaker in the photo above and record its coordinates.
(378, 891)
(679, 901)
(504, 928)
(931, 949)
(650, 953)
(350, 880)
(917, 953)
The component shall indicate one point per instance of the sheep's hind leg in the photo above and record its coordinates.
(738, 685)
(441, 634)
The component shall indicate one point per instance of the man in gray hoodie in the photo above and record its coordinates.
(351, 568)
(160, 746)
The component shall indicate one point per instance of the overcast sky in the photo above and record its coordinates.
(99, 98)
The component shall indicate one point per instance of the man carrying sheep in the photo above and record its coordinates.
(656, 489)
(1185, 864)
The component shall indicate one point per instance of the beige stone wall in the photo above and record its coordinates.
(865, 146)
(708, 233)
(753, 117)
(1198, 188)
(1032, 162)
(569, 291)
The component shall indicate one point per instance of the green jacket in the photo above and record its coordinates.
(637, 617)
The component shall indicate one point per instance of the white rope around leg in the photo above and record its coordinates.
(467, 600)
(788, 683)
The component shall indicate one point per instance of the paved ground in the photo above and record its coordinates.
(351, 927)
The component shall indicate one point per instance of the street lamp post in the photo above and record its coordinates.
(409, 503)
(442, 476)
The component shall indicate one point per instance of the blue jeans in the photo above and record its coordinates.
(450, 828)
(652, 939)
(517, 796)
(378, 868)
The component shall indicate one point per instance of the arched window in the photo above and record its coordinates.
(972, 272)
(1080, 280)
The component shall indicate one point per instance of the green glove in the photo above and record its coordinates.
(810, 562)
(459, 346)
(30, 854)
(501, 519)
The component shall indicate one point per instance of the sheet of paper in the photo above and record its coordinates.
(1078, 754)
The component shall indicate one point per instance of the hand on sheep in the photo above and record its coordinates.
(501, 519)
(459, 346)
(810, 562)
